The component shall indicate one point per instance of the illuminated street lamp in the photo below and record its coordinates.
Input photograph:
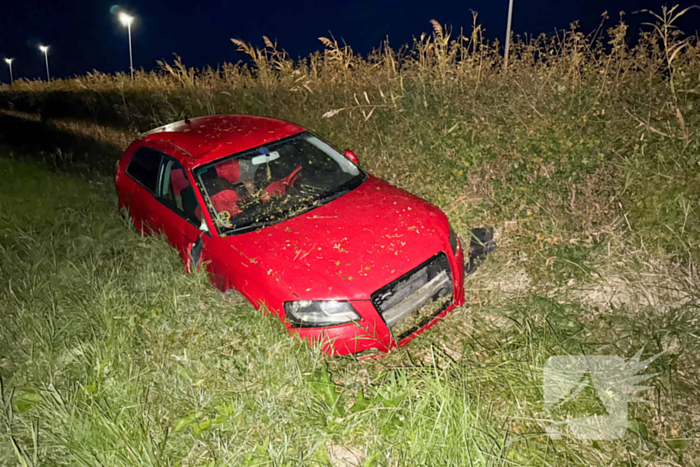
(126, 20)
(9, 63)
(45, 49)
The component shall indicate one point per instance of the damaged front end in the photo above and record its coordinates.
(414, 299)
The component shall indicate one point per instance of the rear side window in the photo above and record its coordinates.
(144, 167)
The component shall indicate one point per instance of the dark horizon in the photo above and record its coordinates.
(88, 36)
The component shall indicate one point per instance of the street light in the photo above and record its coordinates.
(126, 20)
(45, 49)
(9, 63)
(510, 17)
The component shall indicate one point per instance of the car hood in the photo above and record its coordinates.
(350, 247)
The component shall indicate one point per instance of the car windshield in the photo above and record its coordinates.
(274, 182)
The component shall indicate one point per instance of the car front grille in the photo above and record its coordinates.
(412, 300)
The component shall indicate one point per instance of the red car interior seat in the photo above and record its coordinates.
(229, 171)
(182, 187)
(178, 180)
(227, 200)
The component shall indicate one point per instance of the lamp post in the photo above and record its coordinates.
(45, 49)
(126, 20)
(510, 17)
(9, 63)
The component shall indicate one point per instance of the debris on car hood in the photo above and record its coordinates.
(317, 255)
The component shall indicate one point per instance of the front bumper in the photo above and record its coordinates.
(380, 326)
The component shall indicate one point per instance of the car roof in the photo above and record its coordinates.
(205, 139)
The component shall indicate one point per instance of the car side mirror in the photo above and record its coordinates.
(203, 226)
(351, 155)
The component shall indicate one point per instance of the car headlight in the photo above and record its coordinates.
(307, 313)
(454, 241)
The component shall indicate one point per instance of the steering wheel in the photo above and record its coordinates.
(224, 218)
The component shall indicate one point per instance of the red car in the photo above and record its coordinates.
(295, 226)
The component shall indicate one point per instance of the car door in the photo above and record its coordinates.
(179, 213)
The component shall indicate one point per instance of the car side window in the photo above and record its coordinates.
(177, 193)
(144, 167)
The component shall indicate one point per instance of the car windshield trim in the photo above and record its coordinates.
(277, 211)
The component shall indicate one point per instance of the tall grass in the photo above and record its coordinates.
(583, 153)
(112, 355)
(606, 129)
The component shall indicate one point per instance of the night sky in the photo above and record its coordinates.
(85, 35)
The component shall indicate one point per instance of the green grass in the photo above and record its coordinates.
(583, 155)
(111, 355)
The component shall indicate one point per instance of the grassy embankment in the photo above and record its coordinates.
(584, 156)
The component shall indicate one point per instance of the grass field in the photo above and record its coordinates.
(583, 154)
